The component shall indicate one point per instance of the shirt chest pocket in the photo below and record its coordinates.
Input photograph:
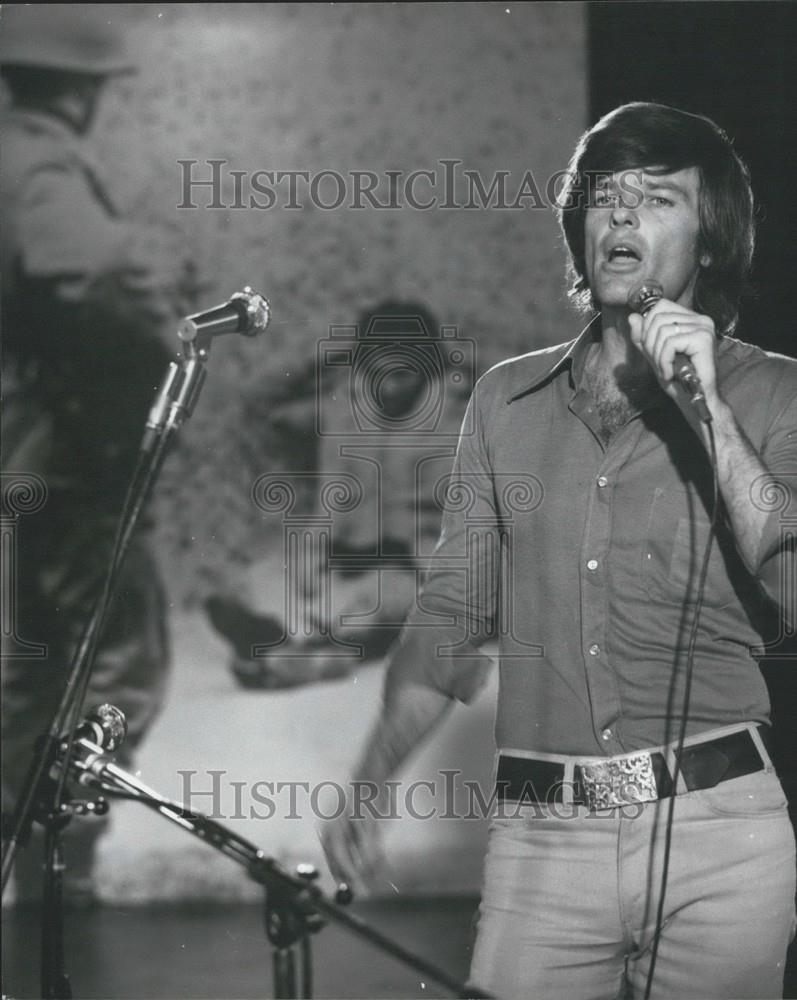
(673, 553)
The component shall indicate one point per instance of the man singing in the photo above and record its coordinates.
(632, 720)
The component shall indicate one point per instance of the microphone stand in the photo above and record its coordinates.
(294, 906)
(44, 798)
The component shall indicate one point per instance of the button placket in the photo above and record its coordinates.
(601, 679)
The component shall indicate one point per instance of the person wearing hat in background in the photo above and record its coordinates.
(87, 297)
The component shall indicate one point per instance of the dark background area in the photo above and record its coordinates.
(735, 63)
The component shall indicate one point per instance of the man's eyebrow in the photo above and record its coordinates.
(664, 184)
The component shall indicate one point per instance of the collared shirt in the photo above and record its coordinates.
(582, 558)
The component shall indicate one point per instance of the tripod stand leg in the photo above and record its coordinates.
(54, 980)
(284, 974)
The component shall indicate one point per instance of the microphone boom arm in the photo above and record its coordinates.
(39, 797)
(295, 899)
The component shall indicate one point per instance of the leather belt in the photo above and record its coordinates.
(640, 777)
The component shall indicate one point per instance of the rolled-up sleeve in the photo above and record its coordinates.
(456, 607)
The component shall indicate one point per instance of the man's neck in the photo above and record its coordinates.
(621, 382)
(616, 355)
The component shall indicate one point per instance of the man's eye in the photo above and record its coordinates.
(602, 198)
(659, 200)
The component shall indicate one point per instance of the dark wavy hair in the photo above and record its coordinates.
(639, 135)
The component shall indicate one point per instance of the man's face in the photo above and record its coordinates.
(642, 226)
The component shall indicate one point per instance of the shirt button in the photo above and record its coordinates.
(592, 565)
(606, 734)
(594, 649)
(602, 481)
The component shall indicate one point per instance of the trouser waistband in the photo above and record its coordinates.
(603, 783)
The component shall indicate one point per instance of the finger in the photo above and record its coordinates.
(664, 312)
(652, 333)
(340, 853)
(671, 338)
(655, 323)
(666, 337)
(668, 307)
(336, 869)
(363, 848)
(671, 311)
(353, 852)
(635, 325)
(371, 854)
(667, 342)
(684, 342)
(672, 345)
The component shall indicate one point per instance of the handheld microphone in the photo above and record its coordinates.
(641, 300)
(247, 313)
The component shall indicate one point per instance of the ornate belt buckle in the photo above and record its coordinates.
(619, 781)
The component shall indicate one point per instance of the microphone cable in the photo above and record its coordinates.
(690, 657)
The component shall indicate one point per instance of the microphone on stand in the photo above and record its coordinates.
(247, 313)
(641, 300)
(102, 731)
(105, 726)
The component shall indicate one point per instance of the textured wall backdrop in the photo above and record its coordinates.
(341, 87)
(336, 87)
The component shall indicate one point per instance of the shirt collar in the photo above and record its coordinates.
(574, 359)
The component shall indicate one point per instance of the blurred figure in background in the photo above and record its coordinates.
(379, 418)
(87, 298)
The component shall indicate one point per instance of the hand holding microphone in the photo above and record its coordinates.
(641, 300)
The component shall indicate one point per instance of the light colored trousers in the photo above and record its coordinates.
(569, 902)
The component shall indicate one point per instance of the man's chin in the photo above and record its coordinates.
(612, 292)
(613, 300)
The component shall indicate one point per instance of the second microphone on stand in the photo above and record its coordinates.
(247, 313)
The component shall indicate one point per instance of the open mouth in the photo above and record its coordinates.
(622, 252)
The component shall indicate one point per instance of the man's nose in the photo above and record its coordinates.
(624, 214)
